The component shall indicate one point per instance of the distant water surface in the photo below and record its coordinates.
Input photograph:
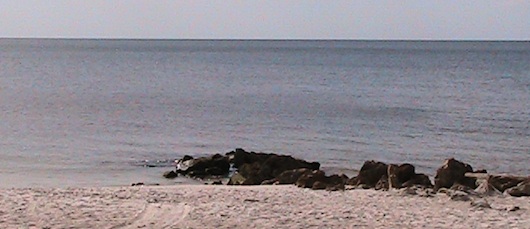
(103, 112)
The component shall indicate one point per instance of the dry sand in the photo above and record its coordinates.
(202, 206)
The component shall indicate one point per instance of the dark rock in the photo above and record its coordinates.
(318, 185)
(291, 176)
(336, 182)
(170, 174)
(502, 183)
(215, 171)
(522, 189)
(308, 179)
(138, 184)
(277, 164)
(215, 165)
(251, 173)
(420, 179)
(336, 187)
(240, 157)
(258, 167)
(338, 179)
(399, 174)
(451, 172)
(317, 180)
(354, 181)
(370, 173)
(405, 172)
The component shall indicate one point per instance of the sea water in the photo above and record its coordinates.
(115, 112)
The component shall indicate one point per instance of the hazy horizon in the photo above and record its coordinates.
(257, 39)
(471, 20)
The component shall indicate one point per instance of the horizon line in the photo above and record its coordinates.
(261, 39)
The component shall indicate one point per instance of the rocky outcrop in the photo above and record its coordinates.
(256, 168)
(383, 176)
(451, 172)
(253, 168)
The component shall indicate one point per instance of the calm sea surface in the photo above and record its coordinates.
(100, 112)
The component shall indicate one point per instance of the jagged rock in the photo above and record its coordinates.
(381, 176)
(522, 189)
(399, 174)
(336, 182)
(502, 183)
(370, 173)
(420, 179)
(451, 172)
(170, 174)
(291, 176)
(307, 180)
(251, 174)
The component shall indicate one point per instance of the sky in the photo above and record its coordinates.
(268, 19)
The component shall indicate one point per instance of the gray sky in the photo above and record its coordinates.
(267, 19)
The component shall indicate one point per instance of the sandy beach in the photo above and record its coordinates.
(210, 206)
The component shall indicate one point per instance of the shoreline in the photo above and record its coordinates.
(263, 206)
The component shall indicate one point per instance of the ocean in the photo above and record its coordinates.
(115, 112)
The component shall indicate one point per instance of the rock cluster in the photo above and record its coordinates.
(379, 175)
(251, 168)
